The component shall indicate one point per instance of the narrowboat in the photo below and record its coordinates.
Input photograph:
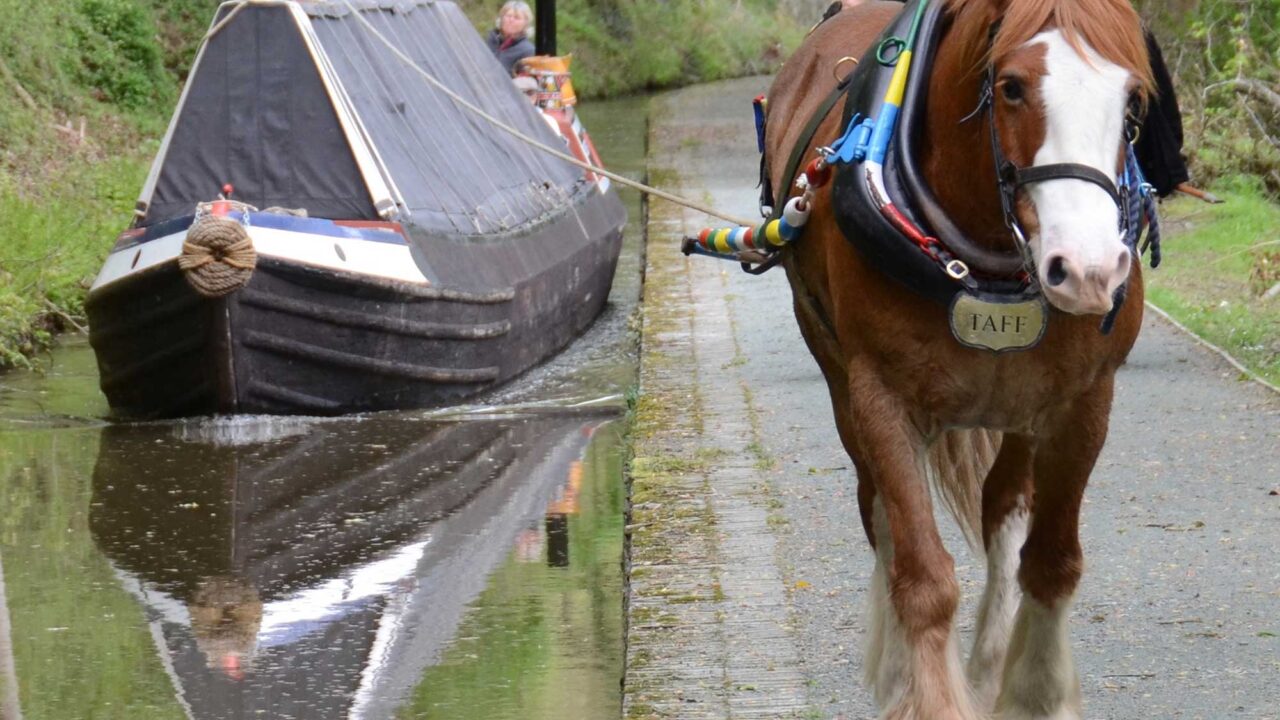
(324, 232)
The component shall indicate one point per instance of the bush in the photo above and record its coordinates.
(1223, 56)
(120, 55)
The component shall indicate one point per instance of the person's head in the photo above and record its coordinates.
(515, 19)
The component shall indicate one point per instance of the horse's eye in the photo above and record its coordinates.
(1012, 90)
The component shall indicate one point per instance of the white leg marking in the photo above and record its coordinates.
(900, 674)
(1040, 681)
(998, 607)
(886, 662)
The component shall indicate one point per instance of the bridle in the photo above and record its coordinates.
(1010, 178)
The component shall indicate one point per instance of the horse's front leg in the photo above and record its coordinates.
(1040, 681)
(912, 662)
(1006, 508)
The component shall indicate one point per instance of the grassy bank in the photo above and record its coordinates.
(85, 87)
(53, 243)
(1219, 262)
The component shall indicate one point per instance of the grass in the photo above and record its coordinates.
(65, 192)
(1216, 264)
(52, 242)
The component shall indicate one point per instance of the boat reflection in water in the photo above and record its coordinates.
(315, 569)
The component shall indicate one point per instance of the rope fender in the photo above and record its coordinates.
(217, 257)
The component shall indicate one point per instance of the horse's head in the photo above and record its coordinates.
(1067, 76)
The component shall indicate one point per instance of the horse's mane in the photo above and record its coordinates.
(1111, 27)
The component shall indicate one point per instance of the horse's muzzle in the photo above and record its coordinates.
(1083, 288)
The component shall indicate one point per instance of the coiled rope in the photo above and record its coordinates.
(217, 257)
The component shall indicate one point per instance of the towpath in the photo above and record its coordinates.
(749, 568)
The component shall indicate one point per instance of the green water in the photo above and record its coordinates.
(406, 565)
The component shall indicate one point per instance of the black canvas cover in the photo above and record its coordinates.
(458, 173)
(258, 116)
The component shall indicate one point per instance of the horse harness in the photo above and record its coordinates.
(994, 298)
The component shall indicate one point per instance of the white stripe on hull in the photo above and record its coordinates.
(387, 261)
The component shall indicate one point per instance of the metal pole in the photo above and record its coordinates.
(9, 707)
(545, 28)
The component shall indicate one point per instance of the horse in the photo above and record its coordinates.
(1006, 441)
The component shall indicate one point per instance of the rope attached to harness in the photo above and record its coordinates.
(872, 142)
(526, 139)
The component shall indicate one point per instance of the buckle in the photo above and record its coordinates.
(957, 270)
(1018, 237)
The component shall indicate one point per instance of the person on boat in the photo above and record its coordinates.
(509, 40)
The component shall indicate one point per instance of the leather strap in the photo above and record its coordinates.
(1011, 177)
(1064, 171)
(802, 145)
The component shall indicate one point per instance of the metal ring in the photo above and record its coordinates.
(957, 270)
(836, 70)
(896, 44)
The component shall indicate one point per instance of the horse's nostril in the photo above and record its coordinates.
(1057, 271)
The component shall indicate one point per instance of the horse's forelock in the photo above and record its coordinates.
(1111, 27)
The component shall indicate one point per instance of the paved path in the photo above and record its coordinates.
(749, 564)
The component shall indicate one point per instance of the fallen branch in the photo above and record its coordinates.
(70, 130)
(63, 314)
(1245, 251)
(1253, 88)
(23, 95)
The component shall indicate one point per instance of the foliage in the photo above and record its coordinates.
(53, 242)
(622, 46)
(1225, 58)
(120, 57)
(1214, 255)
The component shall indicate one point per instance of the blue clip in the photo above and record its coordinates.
(852, 147)
(758, 108)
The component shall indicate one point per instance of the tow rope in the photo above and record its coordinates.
(863, 140)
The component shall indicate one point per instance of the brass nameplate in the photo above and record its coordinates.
(994, 323)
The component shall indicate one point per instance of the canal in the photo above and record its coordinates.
(454, 564)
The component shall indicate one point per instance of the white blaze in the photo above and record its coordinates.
(1085, 99)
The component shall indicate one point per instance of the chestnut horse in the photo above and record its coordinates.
(1009, 440)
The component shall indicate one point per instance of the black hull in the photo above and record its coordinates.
(306, 340)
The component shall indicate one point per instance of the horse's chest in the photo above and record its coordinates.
(1000, 393)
